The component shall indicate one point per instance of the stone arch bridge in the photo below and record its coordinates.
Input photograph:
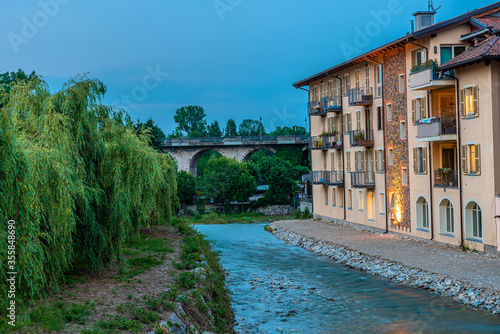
(187, 151)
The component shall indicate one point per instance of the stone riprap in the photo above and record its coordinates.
(463, 292)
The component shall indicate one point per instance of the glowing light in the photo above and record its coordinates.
(398, 213)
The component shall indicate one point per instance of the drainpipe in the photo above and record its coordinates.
(383, 131)
(342, 136)
(424, 47)
(459, 155)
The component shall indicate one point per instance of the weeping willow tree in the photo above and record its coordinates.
(77, 180)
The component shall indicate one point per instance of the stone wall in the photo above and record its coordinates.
(275, 210)
(394, 65)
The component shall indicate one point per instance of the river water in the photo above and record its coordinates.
(278, 288)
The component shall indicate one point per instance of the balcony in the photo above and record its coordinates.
(445, 178)
(360, 96)
(326, 104)
(326, 142)
(427, 77)
(363, 179)
(331, 104)
(328, 178)
(361, 138)
(437, 129)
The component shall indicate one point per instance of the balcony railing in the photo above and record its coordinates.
(236, 141)
(437, 128)
(326, 142)
(427, 77)
(361, 138)
(362, 96)
(446, 179)
(328, 178)
(326, 104)
(363, 179)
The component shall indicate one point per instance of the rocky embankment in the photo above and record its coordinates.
(463, 292)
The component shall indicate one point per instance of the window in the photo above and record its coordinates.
(473, 221)
(339, 161)
(422, 213)
(367, 76)
(404, 176)
(469, 102)
(371, 206)
(349, 199)
(389, 111)
(356, 79)
(402, 83)
(418, 57)
(418, 109)
(361, 201)
(391, 201)
(341, 197)
(326, 196)
(379, 80)
(347, 124)
(451, 51)
(382, 203)
(446, 217)
(358, 120)
(420, 160)
(402, 129)
(347, 84)
(332, 161)
(348, 160)
(380, 161)
(359, 161)
(380, 118)
(471, 159)
(334, 197)
(330, 124)
(390, 157)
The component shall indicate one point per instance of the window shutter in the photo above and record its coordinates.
(364, 161)
(462, 103)
(475, 91)
(340, 161)
(413, 116)
(375, 166)
(423, 108)
(373, 152)
(478, 159)
(464, 159)
(350, 121)
(348, 161)
(415, 161)
(424, 159)
(356, 168)
(332, 161)
(345, 123)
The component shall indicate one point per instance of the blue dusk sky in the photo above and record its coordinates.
(236, 58)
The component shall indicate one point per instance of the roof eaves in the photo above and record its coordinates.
(466, 62)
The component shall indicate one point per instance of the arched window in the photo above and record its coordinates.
(371, 206)
(473, 221)
(422, 213)
(446, 217)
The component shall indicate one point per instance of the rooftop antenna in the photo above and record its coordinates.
(431, 6)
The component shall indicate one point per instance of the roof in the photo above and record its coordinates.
(487, 49)
(490, 22)
(434, 29)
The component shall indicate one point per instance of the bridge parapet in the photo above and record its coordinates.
(236, 141)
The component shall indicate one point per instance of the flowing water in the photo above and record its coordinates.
(277, 288)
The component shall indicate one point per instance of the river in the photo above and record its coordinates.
(278, 288)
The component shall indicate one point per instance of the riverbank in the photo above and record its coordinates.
(466, 277)
(171, 281)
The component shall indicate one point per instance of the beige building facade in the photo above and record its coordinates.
(405, 138)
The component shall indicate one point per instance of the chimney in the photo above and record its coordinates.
(424, 19)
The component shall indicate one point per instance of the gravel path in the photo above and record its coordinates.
(480, 270)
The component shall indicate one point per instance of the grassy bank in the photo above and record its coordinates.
(164, 267)
(214, 218)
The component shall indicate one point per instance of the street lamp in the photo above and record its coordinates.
(260, 129)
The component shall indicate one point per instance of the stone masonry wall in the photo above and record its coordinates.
(394, 65)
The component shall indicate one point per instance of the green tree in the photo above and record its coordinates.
(294, 155)
(202, 162)
(250, 127)
(282, 185)
(287, 131)
(190, 119)
(226, 180)
(231, 130)
(157, 136)
(8, 79)
(186, 187)
(214, 130)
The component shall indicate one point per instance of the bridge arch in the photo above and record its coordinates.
(250, 153)
(193, 163)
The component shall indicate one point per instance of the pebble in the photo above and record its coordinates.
(464, 293)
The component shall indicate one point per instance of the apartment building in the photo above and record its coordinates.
(405, 138)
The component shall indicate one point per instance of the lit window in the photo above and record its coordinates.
(361, 201)
(470, 102)
(349, 199)
(471, 159)
(341, 197)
